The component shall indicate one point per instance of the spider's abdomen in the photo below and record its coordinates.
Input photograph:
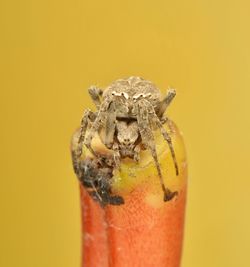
(132, 86)
(129, 91)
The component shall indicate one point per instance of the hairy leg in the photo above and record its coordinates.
(76, 153)
(110, 125)
(117, 156)
(168, 122)
(88, 116)
(156, 120)
(98, 123)
(165, 102)
(148, 140)
(96, 94)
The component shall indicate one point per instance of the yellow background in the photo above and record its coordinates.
(51, 51)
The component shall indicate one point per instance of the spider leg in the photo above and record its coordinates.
(87, 117)
(148, 140)
(169, 123)
(77, 141)
(95, 93)
(164, 134)
(117, 156)
(97, 124)
(166, 102)
(110, 125)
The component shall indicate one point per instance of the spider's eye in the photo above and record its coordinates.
(137, 97)
(115, 94)
(125, 95)
(147, 95)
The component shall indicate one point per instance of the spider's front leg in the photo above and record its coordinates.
(148, 140)
(161, 109)
(96, 93)
(168, 122)
(110, 125)
(99, 122)
(88, 116)
(77, 141)
(164, 133)
(110, 132)
(171, 93)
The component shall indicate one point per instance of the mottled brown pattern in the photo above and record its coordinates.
(128, 113)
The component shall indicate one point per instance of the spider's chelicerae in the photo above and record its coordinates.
(128, 111)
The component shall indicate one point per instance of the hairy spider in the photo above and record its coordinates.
(128, 111)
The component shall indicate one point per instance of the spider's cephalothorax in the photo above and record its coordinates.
(128, 111)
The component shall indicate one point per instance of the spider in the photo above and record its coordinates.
(128, 111)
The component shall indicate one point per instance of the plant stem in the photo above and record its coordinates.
(144, 231)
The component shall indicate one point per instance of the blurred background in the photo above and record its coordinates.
(52, 51)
